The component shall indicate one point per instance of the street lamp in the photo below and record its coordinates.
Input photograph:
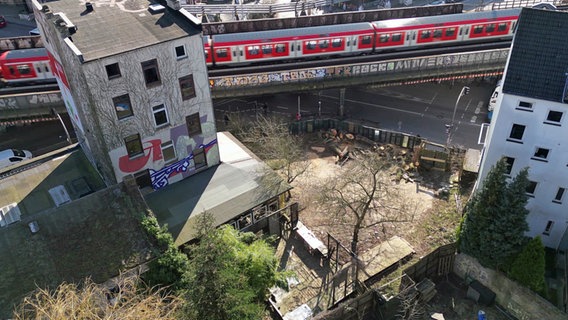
(450, 127)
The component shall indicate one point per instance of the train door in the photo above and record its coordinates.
(43, 70)
(296, 49)
(237, 53)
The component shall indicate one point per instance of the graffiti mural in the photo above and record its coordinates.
(160, 177)
(151, 149)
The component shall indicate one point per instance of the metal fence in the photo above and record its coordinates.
(375, 134)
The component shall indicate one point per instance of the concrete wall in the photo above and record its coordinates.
(519, 301)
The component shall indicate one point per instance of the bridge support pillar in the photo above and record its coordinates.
(341, 102)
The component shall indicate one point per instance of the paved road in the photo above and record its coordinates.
(16, 27)
(422, 109)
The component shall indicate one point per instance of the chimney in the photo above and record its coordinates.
(88, 7)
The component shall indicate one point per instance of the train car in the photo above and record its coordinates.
(25, 66)
(288, 44)
(400, 34)
(207, 48)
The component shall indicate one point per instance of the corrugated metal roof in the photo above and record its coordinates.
(538, 60)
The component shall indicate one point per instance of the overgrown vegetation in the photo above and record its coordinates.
(130, 299)
(529, 266)
(495, 219)
(167, 269)
(228, 275)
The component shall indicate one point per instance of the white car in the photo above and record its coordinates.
(11, 157)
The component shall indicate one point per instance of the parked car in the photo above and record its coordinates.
(3, 22)
(11, 157)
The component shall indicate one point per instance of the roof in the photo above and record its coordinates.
(538, 60)
(95, 236)
(238, 184)
(26, 53)
(112, 28)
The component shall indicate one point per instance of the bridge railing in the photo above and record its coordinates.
(255, 8)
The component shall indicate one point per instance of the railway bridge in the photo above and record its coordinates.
(35, 106)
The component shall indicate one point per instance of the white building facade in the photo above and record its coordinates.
(135, 84)
(529, 127)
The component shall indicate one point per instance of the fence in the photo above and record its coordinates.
(437, 264)
(357, 128)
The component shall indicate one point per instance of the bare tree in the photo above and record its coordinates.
(270, 138)
(364, 195)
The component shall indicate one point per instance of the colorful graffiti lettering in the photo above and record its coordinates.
(133, 165)
(160, 177)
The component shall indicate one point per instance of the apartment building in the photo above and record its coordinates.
(529, 128)
(134, 80)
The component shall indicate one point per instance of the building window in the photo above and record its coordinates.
(169, 152)
(134, 145)
(531, 188)
(160, 115)
(9, 214)
(554, 117)
(151, 73)
(509, 162)
(559, 195)
(143, 178)
(113, 71)
(548, 228)
(199, 158)
(516, 133)
(193, 124)
(523, 105)
(122, 106)
(540, 154)
(180, 52)
(187, 87)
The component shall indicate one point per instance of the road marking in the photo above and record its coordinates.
(435, 95)
(281, 107)
(473, 119)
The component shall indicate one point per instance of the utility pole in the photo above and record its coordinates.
(450, 127)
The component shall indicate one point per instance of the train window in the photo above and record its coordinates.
(46, 67)
(366, 40)
(311, 45)
(477, 29)
(267, 49)
(437, 33)
(425, 34)
(323, 44)
(38, 69)
(206, 54)
(12, 70)
(490, 27)
(112, 70)
(450, 32)
(24, 69)
(396, 37)
(280, 48)
(222, 53)
(336, 43)
(502, 27)
(383, 38)
(253, 50)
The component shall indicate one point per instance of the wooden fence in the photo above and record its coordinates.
(437, 264)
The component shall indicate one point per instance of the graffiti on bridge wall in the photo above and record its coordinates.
(410, 64)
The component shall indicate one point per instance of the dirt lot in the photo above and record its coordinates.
(434, 224)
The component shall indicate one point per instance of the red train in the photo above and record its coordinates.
(358, 38)
(235, 49)
(25, 66)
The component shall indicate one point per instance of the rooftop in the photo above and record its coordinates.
(113, 26)
(96, 235)
(226, 191)
(538, 61)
